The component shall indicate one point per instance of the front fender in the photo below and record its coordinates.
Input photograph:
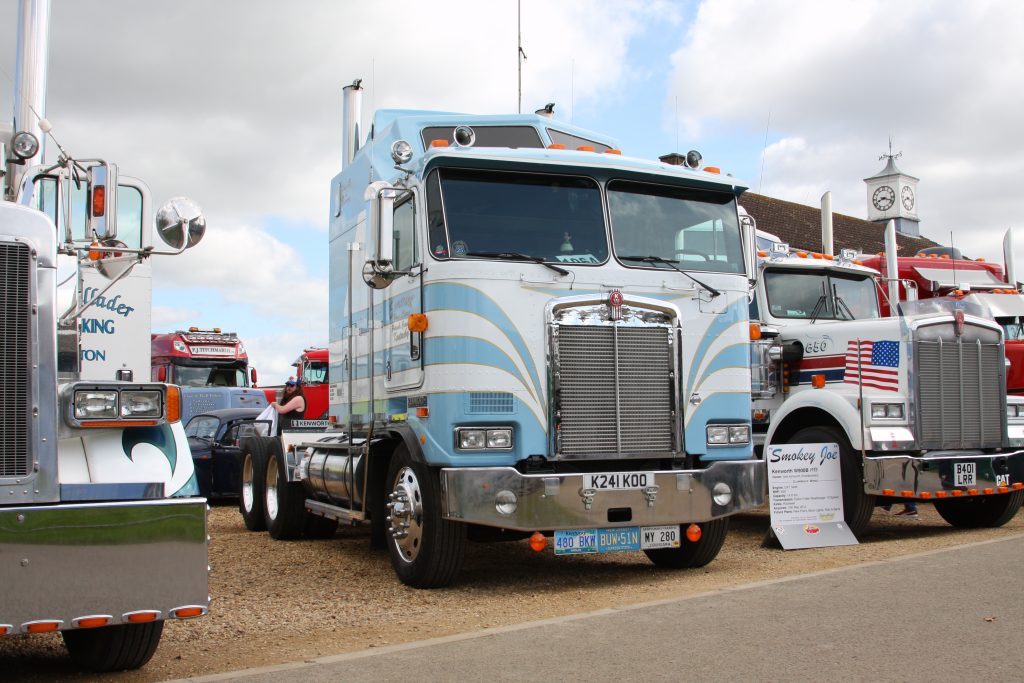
(836, 405)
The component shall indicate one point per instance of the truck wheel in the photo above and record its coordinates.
(689, 554)
(250, 499)
(857, 505)
(113, 648)
(284, 504)
(426, 550)
(977, 512)
(319, 527)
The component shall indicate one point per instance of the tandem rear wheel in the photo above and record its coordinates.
(250, 499)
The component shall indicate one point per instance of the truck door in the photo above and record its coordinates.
(402, 349)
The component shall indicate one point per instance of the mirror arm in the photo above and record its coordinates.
(75, 311)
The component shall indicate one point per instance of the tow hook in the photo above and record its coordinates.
(651, 494)
(588, 497)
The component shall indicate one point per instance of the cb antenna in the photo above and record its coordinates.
(520, 55)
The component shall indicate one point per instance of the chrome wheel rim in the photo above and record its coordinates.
(247, 494)
(272, 487)
(405, 514)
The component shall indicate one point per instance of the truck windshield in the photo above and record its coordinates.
(314, 373)
(696, 228)
(188, 376)
(820, 295)
(556, 219)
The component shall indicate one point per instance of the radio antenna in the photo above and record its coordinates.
(520, 55)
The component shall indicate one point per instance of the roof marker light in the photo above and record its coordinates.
(556, 145)
(613, 151)
(438, 143)
(712, 169)
(585, 148)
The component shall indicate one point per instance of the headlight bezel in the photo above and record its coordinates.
(485, 438)
(125, 405)
(888, 410)
(725, 435)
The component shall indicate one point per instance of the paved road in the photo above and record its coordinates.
(944, 615)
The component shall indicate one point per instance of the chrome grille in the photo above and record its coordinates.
(959, 394)
(614, 389)
(15, 362)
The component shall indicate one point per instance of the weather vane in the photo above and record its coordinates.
(890, 155)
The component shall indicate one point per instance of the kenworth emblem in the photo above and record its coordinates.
(615, 304)
(958, 322)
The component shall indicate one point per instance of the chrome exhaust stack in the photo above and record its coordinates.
(351, 115)
(30, 82)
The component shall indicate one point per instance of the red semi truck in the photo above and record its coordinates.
(311, 370)
(944, 272)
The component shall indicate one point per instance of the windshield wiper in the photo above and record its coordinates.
(516, 256)
(671, 264)
(841, 305)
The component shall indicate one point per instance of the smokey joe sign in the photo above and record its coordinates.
(806, 495)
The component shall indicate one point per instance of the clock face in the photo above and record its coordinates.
(907, 195)
(883, 198)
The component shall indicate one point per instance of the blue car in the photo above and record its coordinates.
(213, 438)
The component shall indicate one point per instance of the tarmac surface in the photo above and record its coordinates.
(946, 614)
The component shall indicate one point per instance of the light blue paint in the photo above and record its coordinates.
(720, 408)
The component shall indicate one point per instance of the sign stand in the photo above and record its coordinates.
(805, 491)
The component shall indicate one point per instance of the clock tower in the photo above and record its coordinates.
(892, 195)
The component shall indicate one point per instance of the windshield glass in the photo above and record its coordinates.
(188, 376)
(314, 373)
(1013, 328)
(555, 218)
(697, 228)
(820, 295)
(202, 427)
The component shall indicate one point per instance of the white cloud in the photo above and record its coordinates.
(939, 78)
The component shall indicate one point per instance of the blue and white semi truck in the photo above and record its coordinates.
(531, 335)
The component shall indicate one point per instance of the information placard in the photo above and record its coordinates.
(805, 491)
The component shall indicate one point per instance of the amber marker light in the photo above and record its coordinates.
(989, 492)
(613, 151)
(418, 322)
(818, 381)
(42, 626)
(802, 254)
(173, 408)
(188, 612)
(556, 145)
(888, 492)
(99, 200)
(438, 143)
(926, 494)
(941, 494)
(1017, 486)
(1004, 489)
(907, 494)
(141, 617)
(762, 253)
(91, 622)
(537, 542)
(585, 148)
(423, 411)
(755, 331)
(972, 492)
(957, 493)
(95, 254)
(693, 533)
(712, 169)
(4, 629)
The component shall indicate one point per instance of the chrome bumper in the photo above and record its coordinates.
(64, 562)
(557, 501)
(934, 472)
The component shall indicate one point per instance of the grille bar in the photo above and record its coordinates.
(15, 362)
(615, 390)
(959, 394)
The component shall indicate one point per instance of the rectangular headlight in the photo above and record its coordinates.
(95, 405)
(141, 404)
(499, 438)
(472, 439)
(893, 411)
(1013, 410)
(739, 434)
(718, 435)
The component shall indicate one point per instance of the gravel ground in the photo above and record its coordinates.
(284, 601)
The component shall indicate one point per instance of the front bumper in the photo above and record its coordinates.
(557, 501)
(68, 561)
(933, 474)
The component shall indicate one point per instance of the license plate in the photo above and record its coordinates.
(575, 541)
(618, 481)
(654, 537)
(618, 540)
(965, 474)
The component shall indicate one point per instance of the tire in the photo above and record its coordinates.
(253, 471)
(980, 511)
(426, 550)
(689, 554)
(113, 648)
(319, 527)
(284, 502)
(857, 505)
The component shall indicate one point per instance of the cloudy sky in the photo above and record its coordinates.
(237, 104)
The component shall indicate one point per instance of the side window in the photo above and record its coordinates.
(405, 252)
(231, 435)
(129, 209)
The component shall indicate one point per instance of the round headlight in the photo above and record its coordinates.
(401, 151)
(505, 502)
(25, 145)
(464, 136)
(721, 493)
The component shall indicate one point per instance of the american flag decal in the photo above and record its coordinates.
(873, 364)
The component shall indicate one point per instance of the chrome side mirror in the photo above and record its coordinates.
(181, 223)
(748, 233)
(379, 270)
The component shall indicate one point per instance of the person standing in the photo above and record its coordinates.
(292, 406)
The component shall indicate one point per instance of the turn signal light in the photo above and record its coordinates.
(423, 411)
(818, 381)
(755, 331)
(537, 542)
(188, 612)
(99, 200)
(95, 254)
(173, 403)
(142, 616)
(418, 322)
(693, 533)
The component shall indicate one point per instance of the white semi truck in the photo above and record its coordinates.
(102, 536)
(531, 335)
(916, 401)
